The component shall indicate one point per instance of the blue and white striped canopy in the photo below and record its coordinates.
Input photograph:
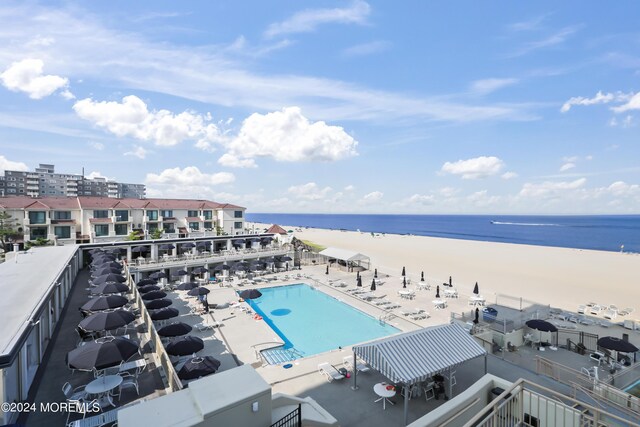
(416, 356)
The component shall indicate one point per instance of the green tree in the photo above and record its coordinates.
(7, 228)
(134, 235)
(219, 230)
(156, 234)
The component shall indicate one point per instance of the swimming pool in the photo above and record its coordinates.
(313, 322)
(634, 389)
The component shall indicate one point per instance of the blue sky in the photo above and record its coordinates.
(327, 106)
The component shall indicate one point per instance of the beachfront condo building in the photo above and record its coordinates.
(71, 220)
(45, 182)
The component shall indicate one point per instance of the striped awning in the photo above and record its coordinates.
(416, 356)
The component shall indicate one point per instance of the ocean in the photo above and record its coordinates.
(601, 232)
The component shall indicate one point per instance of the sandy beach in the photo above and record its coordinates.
(559, 277)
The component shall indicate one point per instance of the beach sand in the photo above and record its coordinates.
(559, 277)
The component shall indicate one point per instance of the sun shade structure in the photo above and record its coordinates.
(148, 288)
(102, 355)
(416, 356)
(187, 286)
(198, 291)
(349, 257)
(164, 313)
(144, 282)
(104, 321)
(154, 295)
(104, 303)
(175, 330)
(186, 345)
(617, 344)
(157, 303)
(198, 367)
(110, 288)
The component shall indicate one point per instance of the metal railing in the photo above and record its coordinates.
(207, 258)
(529, 404)
(292, 419)
(589, 341)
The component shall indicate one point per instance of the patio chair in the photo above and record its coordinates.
(84, 409)
(597, 357)
(419, 316)
(330, 371)
(71, 393)
(429, 392)
(360, 366)
(129, 380)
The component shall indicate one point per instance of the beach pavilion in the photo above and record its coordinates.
(350, 258)
(414, 357)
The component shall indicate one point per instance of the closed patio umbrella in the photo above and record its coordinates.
(175, 330)
(403, 271)
(102, 355)
(475, 289)
(104, 303)
(375, 273)
(110, 288)
(198, 367)
(164, 313)
(154, 295)
(450, 282)
(373, 285)
(477, 319)
(157, 303)
(250, 294)
(404, 282)
(359, 281)
(327, 272)
(148, 281)
(422, 276)
(198, 291)
(104, 321)
(438, 291)
(185, 345)
(187, 286)
(148, 288)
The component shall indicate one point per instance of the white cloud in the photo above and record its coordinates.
(232, 161)
(550, 188)
(448, 191)
(509, 175)
(567, 166)
(189, 176)
(6, 164)
(422, 199)
(138, 152)
(97, 145)
(622, 189)
(308, 20)
(531, 24)
(632, 104)
(372, 197)
(367, 48)
(26, 76)
(66, 94)
(553, 40)
(476, 168)
(486, 86)
(600, 98)
(483, 199)
(349, 188)
(309, 191)
(288, 136)
(131, 117)
(95, 174)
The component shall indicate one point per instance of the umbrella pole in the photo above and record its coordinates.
(407, 390)
(355, 373)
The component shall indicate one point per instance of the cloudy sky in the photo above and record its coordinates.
(332, 106)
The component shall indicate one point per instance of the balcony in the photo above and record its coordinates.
(147, 219)
(27, 222)
(120, 219)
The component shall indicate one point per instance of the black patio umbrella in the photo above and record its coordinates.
(357, 274)
(154, 295)
(106, 264)
(95, 251)
(403, 271)
(104, 303)
(238, 267)
(104, 271)
(475, 289)
(166, 247)
(438, 291)
(200, 270)
(139, 249)
(157, 303)
(187, 286)
(375, 273)
(250, 294)
(102, 355)
(239, 242)
(450, 281)
(286, 258)
(148, 281)
(198, 291)
(116, 251)
(109, 278)
(373, 285)
(422, 276)
(541, 325)
(203, 244)
(327, 272)
(198, 367)
(110, 288)
(185, 345)
(187, 245)
(148, 288)
(182, 272)
(164, 313)
(617, 344)
(104, 321)
(221, 267)
(404, 282)
(269, 259)
(359, 281)
(158, 275)
(101, 259)
(477, 319)
(174, 330)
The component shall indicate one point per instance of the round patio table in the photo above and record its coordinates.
(381, 390)
(102, 386)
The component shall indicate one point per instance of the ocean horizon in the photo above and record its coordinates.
(613, 233)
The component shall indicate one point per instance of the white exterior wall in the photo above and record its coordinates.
(227, 220)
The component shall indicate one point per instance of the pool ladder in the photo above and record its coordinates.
(385, 317)
(275, 356)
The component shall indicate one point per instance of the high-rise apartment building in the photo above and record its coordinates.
(45, 182)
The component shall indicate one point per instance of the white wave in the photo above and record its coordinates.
(525, 223)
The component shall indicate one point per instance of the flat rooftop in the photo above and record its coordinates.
(23, 283)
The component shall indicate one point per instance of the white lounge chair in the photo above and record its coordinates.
(330, 372)
(419, 316)
(411, 311)
(360, 366)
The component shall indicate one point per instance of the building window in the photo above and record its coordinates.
(62, 232)
(39, 217)
(207, 214)
(152, 215)
(208, 225)
(152, 226)
(237, 225)
(194, 225)
(122, 215)
(237, 214)
(102, 230)
(38, 233)
(192, 213)
(121, 229)
(101, 214)
(166, 214)
(168, 228)
(61, 214)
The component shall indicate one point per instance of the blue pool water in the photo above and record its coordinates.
(312, 322)
(634, 389)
